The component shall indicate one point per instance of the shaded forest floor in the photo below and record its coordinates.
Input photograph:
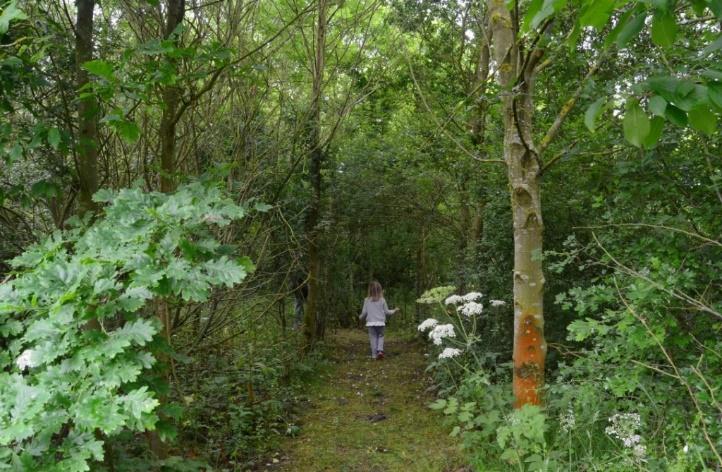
(371, 416)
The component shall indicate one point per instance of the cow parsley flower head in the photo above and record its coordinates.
(450, 352)
(440, 332)
(639, 451)
(471, 296)
(26, 359)
(496, 303)
(624, 426)
(471, 308)
(454, 300)
(427, 324)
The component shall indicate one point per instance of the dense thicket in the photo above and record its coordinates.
(562, 158)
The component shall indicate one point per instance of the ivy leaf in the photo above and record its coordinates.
(636, 124)
(702, 119)
(664, 29)
(592, 114)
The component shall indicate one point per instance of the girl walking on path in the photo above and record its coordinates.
(375, 311)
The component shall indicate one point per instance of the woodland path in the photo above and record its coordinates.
(371, 416)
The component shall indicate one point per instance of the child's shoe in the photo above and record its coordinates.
(380, 356)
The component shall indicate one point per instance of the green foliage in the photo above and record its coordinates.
(78, 327)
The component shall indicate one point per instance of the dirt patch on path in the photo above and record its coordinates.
(371, 416)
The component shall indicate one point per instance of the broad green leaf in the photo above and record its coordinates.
(247, 264)
(657, 105)
(699, 7)
(629, 29)
(592, 114)
(664, 29)
(45, 189)
(655, 132)
(702, 119)
(127, 130)
(714, 91)
(100, 68)
(539, 11)
(676, 115)
(10, 13)
(596, 13)
(54, 138)
(636, 124)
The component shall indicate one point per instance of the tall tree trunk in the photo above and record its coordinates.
(171, 100)
(523, 174)
(313, 215)
(170, 97)
(87, 149)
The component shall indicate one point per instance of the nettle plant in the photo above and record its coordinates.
(77, 329)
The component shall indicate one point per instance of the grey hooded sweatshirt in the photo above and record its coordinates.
(375, 312)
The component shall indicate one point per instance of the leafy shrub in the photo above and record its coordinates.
(77, 326)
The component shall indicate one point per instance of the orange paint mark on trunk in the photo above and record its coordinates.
(528, 362)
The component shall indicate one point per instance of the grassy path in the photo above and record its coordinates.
(371, 416)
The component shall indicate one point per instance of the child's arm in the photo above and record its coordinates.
(364, 312)
(387, 311)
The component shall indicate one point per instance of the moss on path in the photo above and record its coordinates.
(371, 415)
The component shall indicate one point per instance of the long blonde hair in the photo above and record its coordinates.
(376, 293)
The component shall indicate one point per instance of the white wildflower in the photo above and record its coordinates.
(440, 332)
(427, 324)
(568, 420)
(496, 303)
(26, 360)
(471, 296)
(640, 451)
(685, 449)
(624, 426)
(471, 309)
(450, 352)
(454, 300)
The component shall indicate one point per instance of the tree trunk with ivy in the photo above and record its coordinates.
(516, 80)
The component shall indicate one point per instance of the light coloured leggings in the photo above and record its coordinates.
(376, 336)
